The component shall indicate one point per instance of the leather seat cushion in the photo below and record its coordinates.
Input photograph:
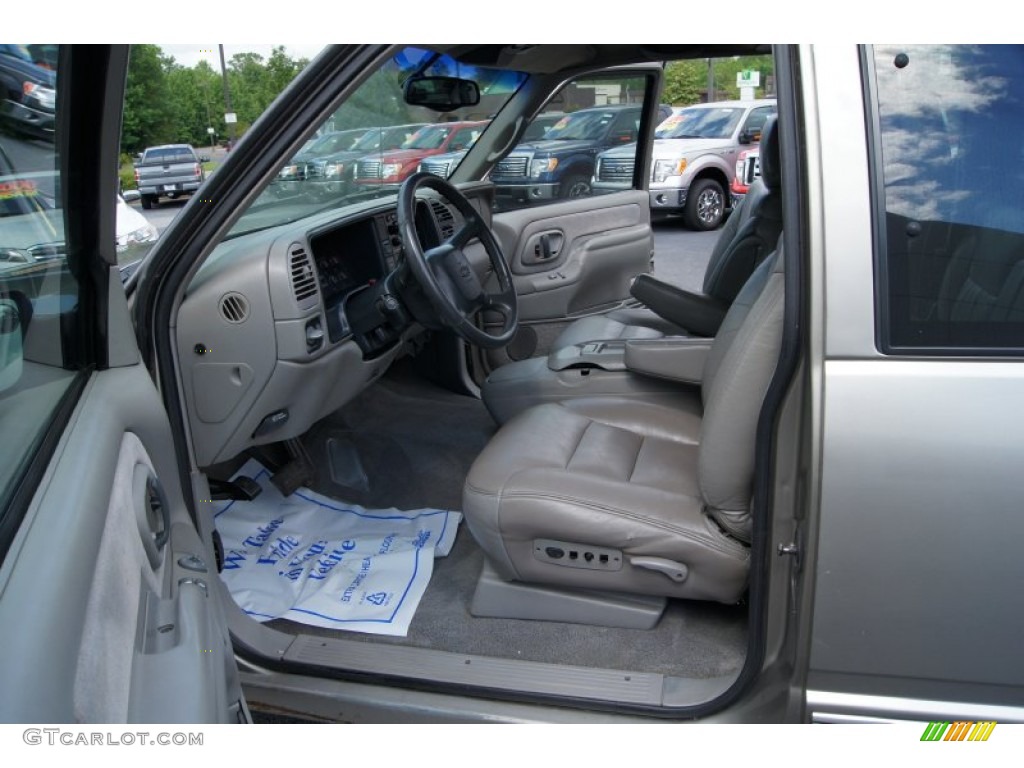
(608, 473)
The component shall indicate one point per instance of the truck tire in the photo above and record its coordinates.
(705, 206)
(575, 185)
(147, 201)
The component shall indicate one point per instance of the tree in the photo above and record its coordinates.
(166, 102)
(685, 82)
(149, 112)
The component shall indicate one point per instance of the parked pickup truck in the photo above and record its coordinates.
(27, 95)
(693, 162)
(561, 165)
(169, 170)
(748, 168)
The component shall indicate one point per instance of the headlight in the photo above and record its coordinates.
(537, 167)
(289, 172)
(665, 168)
(334, 169)
(43, 96)
(145, 234)
(390, 169)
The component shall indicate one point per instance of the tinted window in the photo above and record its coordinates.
(170, 155)
(950, 159)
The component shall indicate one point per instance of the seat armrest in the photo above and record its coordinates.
(693, 312)
(675, 358)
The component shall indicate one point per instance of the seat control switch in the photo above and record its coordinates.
(571, 554)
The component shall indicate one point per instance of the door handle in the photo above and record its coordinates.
(152, 513)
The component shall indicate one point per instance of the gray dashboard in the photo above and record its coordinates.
(270, 338)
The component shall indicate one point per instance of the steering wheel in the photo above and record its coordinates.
(445, 274)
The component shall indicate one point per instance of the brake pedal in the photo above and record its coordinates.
(297, 473)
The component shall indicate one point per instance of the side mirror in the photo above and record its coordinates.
(13, 322)
(130, 195)
(750, 136)
(441, 94)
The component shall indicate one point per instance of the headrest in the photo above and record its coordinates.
(771, 172)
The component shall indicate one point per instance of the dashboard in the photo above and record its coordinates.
(281, 327)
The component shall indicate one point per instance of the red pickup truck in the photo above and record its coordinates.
(389, 169)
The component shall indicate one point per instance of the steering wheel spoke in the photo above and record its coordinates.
(447, 276)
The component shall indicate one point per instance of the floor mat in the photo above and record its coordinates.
(311, 559)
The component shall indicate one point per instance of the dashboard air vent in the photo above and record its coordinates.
(234, 307)
(445, 219)
(303, 277)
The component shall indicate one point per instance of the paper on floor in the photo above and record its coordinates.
(311, 559)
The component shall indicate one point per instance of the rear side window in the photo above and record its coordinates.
(169, 156)
(949, 164)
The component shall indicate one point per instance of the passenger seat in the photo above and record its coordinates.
(747, 238)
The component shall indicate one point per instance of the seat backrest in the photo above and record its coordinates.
(738, 371)
(752, 230)
(985, 278)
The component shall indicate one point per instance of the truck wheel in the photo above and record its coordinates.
(147, 201)
(575, 186)
(705, 206)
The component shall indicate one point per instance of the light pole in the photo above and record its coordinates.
(229, 116)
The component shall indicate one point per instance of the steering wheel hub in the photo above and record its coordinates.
(446, 275)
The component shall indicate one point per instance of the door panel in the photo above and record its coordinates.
(597, 245)
(106, 632)
(104, 615)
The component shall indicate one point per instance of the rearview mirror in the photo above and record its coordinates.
(442, 94)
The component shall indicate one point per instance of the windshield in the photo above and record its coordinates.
(587, 126)
(704, 123)
(428, 138)
(385, 138)
(334, 142)
(384, 122)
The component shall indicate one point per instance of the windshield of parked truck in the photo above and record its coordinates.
(586, 126)
(705, 123)
(385, 138)
(334, 142)
(431, 137)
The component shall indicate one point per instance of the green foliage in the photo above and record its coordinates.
(686, 82)
(149, 115)
(167, 103)
(378, 102)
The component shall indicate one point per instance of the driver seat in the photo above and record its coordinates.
(653, 496)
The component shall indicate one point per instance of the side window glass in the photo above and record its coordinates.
(950, 160)
(592, 122)
(756, 120)
(38, 295)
